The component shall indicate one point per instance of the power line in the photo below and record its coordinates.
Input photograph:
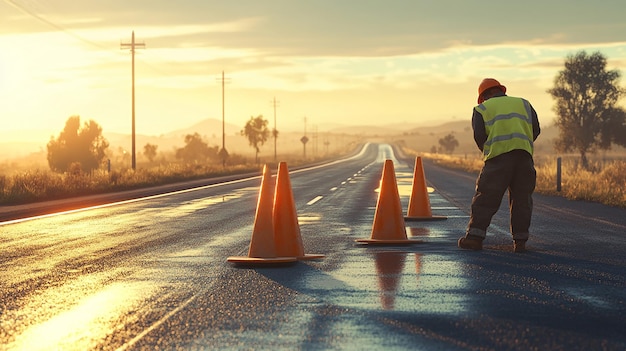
(71, 33)
(53, 25)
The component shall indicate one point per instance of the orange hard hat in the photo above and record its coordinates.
(486, 84)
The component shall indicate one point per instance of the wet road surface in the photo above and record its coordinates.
(152, 273)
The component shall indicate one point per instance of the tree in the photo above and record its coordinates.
(196, 150)
(257, 133)
(448, 143)
(586, 94)
(150, 151)
(83, 146)
(615, 129)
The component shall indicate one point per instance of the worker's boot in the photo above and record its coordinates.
(471, 242)
(519, 246)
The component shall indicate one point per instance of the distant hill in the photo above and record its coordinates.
(207, 127)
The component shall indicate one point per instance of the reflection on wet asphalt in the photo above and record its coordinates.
(153, 274)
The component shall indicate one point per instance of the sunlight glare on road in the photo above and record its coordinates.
(201, 204)
(85, 325)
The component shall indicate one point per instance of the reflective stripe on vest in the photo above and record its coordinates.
(508, 124)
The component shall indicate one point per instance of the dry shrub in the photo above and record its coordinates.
(4, 181)
(28, 186)
(613, 178)
(604, 184)
(615, 173)
(45, 185)
(469, 164)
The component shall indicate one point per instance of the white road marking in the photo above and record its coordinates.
(139, 336)
(316, 199)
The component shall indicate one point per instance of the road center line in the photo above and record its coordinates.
(316, 199)
(156, 324)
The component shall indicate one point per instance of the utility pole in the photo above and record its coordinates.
(223, 153)
(275, 131)
(132, 45)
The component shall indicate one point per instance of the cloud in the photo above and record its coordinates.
(329, 28)
(319, 54)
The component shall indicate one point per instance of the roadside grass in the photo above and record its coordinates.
(604, 183)
(41, 185)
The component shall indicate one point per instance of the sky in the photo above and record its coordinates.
(329, 62)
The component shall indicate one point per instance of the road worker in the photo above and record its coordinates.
(505, 129)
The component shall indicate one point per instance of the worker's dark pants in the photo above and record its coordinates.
(514, 171)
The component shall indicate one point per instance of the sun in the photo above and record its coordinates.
(30, 72)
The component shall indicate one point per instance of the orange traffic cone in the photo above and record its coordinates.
(419, 203)
(388, 225)
(286, 228)
(262, 248)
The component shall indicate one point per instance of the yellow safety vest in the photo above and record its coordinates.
(508, 124)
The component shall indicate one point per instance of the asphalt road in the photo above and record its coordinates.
(151, 273)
